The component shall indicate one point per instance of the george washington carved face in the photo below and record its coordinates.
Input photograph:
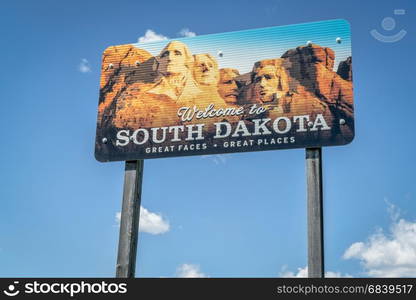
(227, 86)
(174, 59)
(205, 69)
(269, 80)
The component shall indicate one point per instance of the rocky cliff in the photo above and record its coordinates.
(345, 69)
(312, 77)
(118, 66)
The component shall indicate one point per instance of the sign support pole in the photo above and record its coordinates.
(315, 213)
(129, 223)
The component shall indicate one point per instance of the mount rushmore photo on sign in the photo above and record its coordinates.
(262, 89)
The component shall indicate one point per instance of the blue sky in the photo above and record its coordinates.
(235, 215)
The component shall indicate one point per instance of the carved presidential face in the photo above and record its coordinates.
(268, 83)
(174, 59)
(205, 69)
(227, 86)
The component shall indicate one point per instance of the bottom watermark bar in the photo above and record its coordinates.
(214, 288)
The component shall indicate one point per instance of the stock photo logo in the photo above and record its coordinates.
(11, 290)
(389, 24)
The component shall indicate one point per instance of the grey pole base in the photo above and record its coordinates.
(315, 213)
(129, 223)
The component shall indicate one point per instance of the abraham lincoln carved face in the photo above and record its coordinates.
(270, 81)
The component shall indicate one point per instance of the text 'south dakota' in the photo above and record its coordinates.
(195, 132)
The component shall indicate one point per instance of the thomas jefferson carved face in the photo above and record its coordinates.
(174, 59)
(227, 86)
(205, 69)
(270, 82)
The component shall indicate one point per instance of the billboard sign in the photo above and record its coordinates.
(262, 89)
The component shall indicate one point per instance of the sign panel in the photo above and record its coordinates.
(263, 89)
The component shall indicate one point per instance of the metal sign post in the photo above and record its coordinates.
(315, 213)
(129, 223)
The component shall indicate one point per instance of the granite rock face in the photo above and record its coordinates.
(345, 69)
(312, 77)
(118, 66)
(311, 54)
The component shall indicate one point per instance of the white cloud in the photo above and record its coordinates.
(149, 222)
(151, 36)
(185, 32)
(303, 273)
(391, 254)
(330, 274)
(189, 271)
(152, 223)
(84, 66)
(118, 217)
(217, 158)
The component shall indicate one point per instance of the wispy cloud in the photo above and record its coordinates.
(84, 66)
(189, 271)
(118, 217)
(149, 222)
(391, 254)
(303, 273)
(151, 36)
(185, 32)
(300, 273)
(216, 158)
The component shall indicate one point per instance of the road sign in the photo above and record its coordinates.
(262, 89)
